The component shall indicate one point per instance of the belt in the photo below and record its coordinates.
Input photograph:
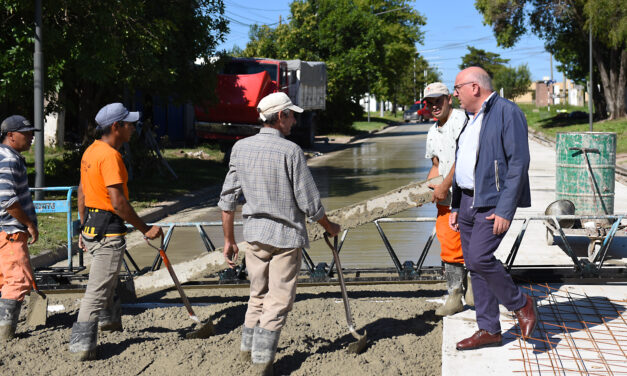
(468, 192)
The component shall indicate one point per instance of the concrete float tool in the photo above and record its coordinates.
(362, 341)
(201, 330)
(385, 205)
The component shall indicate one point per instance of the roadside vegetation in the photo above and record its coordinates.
(566, 118)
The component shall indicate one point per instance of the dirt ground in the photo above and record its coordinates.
(405, 337)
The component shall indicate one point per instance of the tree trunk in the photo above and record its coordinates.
(613, 72)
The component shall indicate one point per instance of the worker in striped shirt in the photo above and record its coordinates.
(18, 221)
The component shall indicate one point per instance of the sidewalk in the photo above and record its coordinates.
(517, 356)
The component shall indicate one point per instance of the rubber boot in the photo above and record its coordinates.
(247, 344)
(454, 274)
(83, 340)
(263, 350)
(110, 318)
(469, 297)
(9, 313)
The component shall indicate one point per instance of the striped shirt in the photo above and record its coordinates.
(14, 187)
(272, 174)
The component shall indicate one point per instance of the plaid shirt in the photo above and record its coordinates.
(272, 173)
(14, 187)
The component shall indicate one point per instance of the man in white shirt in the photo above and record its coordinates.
(441, 146)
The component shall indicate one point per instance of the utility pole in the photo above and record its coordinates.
(590, 80)
(551, 93)
(38, 117)
(414, 79)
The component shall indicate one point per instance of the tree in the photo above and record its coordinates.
(365, 44)
(490, 61)
(413, 81)
(97, 52)
(564, 26)
(514, 81)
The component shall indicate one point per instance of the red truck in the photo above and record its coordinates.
(243, 82)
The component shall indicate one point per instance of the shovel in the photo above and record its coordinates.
(37, 308)
(201, 330)
(360, 345)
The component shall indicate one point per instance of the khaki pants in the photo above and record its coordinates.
(16, 278)
(272, 273)
(103, 275)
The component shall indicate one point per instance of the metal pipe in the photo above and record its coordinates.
(38, 89)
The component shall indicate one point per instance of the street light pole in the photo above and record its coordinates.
(590, 80)
(38, 116)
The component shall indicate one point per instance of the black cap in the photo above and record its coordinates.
(16, 123)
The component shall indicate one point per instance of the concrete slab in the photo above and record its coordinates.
(563, 344)
(582, 330)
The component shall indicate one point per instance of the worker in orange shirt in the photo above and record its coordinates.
(104, 207)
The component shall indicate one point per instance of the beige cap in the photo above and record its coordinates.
(435, 89)
(274, 103)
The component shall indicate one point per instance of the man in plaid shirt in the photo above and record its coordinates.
(272, 174)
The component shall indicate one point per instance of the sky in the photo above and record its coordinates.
(451, 26)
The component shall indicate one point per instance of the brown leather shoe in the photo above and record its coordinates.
(481, 338)
(528, 317)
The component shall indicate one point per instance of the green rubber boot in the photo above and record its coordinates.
(454, 274)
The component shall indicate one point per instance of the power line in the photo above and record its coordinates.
(259, 9)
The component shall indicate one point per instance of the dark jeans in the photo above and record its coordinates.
(491, 284)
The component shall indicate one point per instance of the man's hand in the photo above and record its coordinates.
(452, 221)
(33, 232)
(333, 229)
(440, 191)
(500, 224)
(231, 252)
(81, 243)
(154, 232)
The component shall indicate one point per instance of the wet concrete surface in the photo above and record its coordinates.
(361, 170)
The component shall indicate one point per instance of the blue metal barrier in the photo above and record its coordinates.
(60, 206)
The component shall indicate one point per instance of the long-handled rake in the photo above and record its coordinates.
(201, 330)
(362, 341)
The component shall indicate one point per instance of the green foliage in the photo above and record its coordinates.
(95, 52)
(368, 46)
(564, 26)
(514, 81)
(490, 61)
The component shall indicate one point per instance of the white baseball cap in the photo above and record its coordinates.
(435, 89)
(274, 103)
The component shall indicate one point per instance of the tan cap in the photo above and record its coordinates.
(274, 103)
(435, 89)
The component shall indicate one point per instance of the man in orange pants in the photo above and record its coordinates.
(18, 221)
(441, 146)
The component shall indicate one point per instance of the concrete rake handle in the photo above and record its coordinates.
(340, 277)
(166, 261)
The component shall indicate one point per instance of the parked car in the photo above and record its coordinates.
(417, 111)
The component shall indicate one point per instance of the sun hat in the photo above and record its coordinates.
(274, 103)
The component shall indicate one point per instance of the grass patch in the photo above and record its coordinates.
(196, 168)
(551, 122)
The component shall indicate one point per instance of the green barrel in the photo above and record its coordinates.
(573, 179)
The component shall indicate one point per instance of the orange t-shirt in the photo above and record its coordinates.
(101, 167)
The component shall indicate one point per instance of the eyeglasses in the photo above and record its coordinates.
(456, 87)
